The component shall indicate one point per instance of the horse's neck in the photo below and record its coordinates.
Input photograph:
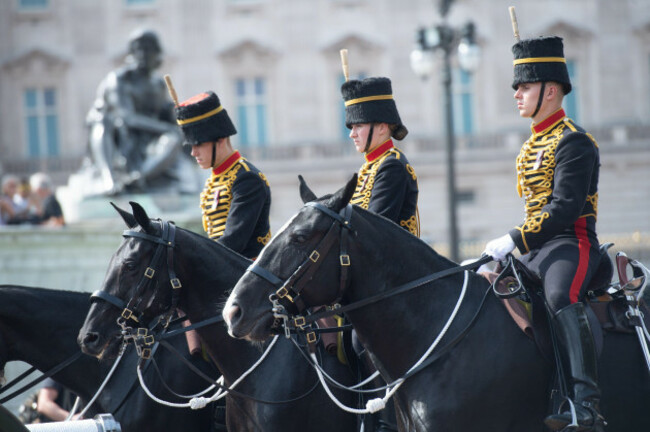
(408, 322)
(212, 270)
(41, 326)
(41, 338)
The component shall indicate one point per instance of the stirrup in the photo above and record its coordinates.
(598, 421)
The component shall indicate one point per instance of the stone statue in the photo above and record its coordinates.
(134, 143)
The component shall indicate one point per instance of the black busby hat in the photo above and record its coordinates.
(371, 101)
(203, 119)
(540, 60)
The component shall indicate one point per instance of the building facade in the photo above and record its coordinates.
(276, 67)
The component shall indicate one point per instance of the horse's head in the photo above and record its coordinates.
(136, 288)
(283, 275)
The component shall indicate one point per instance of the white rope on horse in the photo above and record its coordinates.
(201, 402)
(377, 404)
(343, 386)
(99, 390)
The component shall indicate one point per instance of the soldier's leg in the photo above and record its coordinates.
(384, 420)
(575, 337)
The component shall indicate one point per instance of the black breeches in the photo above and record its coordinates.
(566, 269)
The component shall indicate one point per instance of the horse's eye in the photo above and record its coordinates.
(299, 237)
(129, 265)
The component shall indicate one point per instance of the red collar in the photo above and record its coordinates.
(548, 121)
(227, 164)
(373, 155)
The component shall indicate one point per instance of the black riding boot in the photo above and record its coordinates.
(577, 345)
(384, 420)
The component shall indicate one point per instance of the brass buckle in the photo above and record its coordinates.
(284, 292)
(149, 340)
(345, 260)
(299, 321)
(314, 256)
(142, 332)
(311, 337)
(149, 272)
(127, 314)
(176, 283)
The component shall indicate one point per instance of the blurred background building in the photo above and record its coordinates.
(276, 67)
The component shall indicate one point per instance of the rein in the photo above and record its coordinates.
(37, 380)
(398, 290)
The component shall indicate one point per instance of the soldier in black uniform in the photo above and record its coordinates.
(557, 174)
(387, 184)
(236, 199)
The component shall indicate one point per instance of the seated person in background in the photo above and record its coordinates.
(26, 203)
(51, 213)
(8, 211)
(54, 402)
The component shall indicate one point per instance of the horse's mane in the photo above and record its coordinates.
(404, 237)
(40, 292)
(217, 248)
(211, 244)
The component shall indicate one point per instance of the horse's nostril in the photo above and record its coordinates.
(232, 314)
(90, 338)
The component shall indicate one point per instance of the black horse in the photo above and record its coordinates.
(206, 269)
(40, 326)
(491, 377)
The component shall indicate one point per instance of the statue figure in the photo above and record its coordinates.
(134, 142)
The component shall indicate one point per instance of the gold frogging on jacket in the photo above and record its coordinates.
(366, 181)
(536, 171)
(216, 200)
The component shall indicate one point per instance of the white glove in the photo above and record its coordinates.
(500, 247)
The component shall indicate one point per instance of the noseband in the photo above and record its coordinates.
(130, 310)
(288, 293)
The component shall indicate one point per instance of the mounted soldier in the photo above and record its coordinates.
(386, 184)
(557, 175)
(236, 199)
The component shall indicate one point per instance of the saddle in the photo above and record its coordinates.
(521, 292)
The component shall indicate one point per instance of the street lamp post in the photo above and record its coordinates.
(447, 39)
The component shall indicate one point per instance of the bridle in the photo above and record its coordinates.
(144, 338)
(131, 310)
(287, 296)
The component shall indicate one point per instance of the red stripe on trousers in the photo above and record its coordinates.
(583, 262)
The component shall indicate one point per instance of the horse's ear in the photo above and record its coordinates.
(141, 216)
(342, 197)
(126, 216)
(305, 193)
